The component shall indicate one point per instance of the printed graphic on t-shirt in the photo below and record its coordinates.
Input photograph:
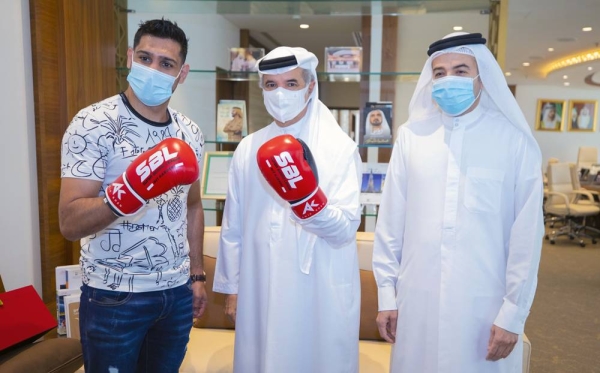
(147, 251)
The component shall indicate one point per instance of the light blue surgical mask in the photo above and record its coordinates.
(454, 94)
(151, 86)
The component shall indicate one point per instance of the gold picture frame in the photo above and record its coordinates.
(582, 115)
(550, 115)
(215, 175)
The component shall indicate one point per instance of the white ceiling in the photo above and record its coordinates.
(533, 27)
(536, 25)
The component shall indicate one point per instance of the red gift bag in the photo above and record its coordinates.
(23, 317)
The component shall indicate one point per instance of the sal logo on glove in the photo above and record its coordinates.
(288, 166)
(291, 172)
(146, 168)
(170, 163)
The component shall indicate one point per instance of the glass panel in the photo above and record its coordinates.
(305, 8)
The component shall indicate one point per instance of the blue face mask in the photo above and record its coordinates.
(151, 87)
(454, 94)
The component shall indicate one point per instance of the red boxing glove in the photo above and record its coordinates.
(288, 166)
(170, 163)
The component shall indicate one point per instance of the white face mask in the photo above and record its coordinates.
(283, 104)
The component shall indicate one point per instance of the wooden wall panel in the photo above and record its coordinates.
(47, 98)
(88, 34)
(389, 52)
(73, 52)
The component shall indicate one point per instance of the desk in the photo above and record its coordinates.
(592, 221)
(590, 184)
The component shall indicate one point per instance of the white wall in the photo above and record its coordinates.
(210, 37)
(20, 248)
(562, 145)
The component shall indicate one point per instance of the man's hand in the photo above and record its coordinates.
(501, 343)
(199, 298)
(231, 306)
(386, 322)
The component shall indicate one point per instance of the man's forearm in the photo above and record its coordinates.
(195, 236)
(84, 216)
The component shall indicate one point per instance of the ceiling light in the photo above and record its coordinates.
(565, 77)
(550, 49)
(525, 64)
(574, 59)
(304, 25)
(567, 84)
(457, 28)
(586, 29)
(508, 73)
(590, 68)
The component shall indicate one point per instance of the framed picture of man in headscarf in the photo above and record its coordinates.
(582, 115)
(550, 115)
(376, 128)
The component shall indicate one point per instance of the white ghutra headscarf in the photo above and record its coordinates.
(495, 95)
(318, 128)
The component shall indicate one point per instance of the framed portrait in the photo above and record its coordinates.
(582, 115)
(376, 125)
(244, 59)
(215, 175)
(550, 115)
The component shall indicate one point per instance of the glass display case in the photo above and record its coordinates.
(392, 36)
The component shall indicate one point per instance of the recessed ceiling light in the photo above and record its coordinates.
(567, 84)
(586, 29)
(565, 77)
(550, 49)
(590, 68)
(525, 64)
(508, 73)
(457, 28)
(304, 25)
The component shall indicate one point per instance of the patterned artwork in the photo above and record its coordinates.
(147, 250)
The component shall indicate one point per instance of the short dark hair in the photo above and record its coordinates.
(163, 28)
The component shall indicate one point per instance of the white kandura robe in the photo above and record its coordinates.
(460, 229)
(298, 285)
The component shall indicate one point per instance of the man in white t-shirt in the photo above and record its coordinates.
(129, 192)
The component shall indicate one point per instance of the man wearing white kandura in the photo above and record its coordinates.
(459, 232)
(287, 255)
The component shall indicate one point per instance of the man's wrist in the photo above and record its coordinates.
(198, 277)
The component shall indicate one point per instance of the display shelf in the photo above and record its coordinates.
(236, 143)
(243, 76)
(321, 76)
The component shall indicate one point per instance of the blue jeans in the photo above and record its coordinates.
(135, 332)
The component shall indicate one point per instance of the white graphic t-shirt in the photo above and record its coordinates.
(148, 251)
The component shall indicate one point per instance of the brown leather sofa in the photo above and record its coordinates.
(52, 355)
(210, 349)
(47, 355)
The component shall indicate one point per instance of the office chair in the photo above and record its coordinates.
(580, 198)
(562, 202)
(587, 156)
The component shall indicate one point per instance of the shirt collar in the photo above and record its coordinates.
(464, 119)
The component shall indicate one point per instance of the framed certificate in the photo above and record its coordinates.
(215, 175)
